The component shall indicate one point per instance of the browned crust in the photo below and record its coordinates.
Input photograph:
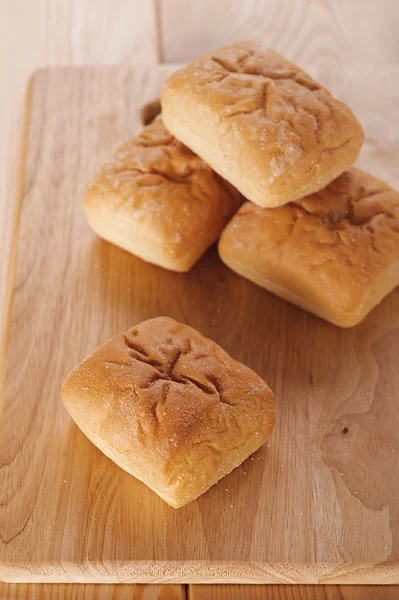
(261, 122)
(336, 251)
(160, 201)
(170, 406)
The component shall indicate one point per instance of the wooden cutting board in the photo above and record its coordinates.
(319, 503)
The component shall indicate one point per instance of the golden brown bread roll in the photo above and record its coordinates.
(159, 201)
(334, 253)
(170, 407)
(261, 123)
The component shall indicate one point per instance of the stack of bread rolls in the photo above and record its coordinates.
(251, 149)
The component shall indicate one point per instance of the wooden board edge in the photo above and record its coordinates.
(167, 67)
(5, 319)
(201, 572)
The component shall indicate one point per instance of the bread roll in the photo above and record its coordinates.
(170, 407)
(334, 253)
(159, 201)
(261, 123)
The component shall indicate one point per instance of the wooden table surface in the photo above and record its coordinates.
(54, 32)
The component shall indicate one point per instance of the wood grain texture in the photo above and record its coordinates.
(317, 505)
(292, 592)
(334, 32)
(61, 591)
(44, 32)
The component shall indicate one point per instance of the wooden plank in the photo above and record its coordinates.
(14, 591)
(57, 33)
(332, 31)
(70, 591)
(318, 505)
(292, 592)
